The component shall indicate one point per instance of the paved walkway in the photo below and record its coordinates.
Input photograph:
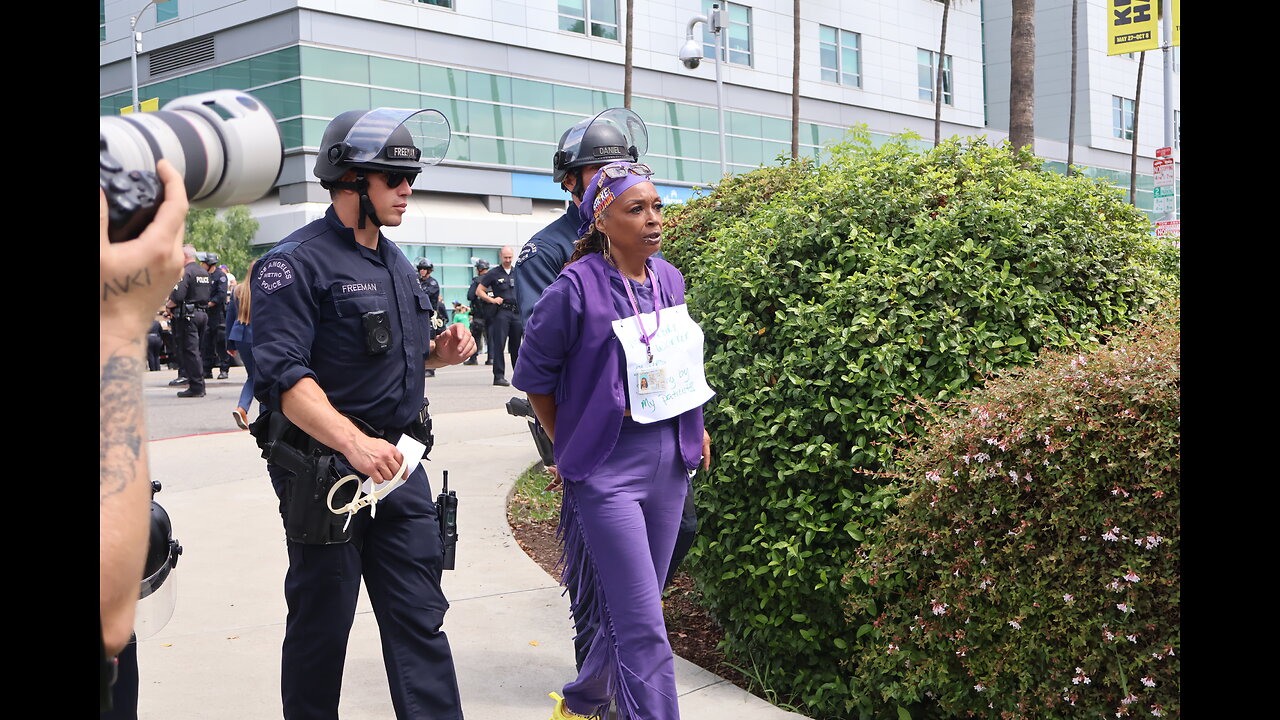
(219, 656)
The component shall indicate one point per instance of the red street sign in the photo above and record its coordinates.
(1164, 152)
(1169, 228)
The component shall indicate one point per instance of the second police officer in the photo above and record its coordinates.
(342, 333)
(214, 343)
(431, 287)
(481, 311)
(188, 304)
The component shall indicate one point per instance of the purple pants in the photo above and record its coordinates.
(619, 527)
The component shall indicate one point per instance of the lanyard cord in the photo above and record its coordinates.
(636, 306)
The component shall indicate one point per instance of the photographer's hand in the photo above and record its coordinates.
(137, 275)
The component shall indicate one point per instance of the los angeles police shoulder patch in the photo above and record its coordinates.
(274, 273)
(525, 252)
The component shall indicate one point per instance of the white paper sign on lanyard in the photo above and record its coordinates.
(675, 381)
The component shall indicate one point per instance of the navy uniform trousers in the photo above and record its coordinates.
(399, 555)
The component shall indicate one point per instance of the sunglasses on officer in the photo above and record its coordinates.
(395, 178)
(614, 172)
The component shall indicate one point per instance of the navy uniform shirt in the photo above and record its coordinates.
(310, 295)
(501, 283)
(542, 258)
(194, 287)
(432, 287)
(218, 289)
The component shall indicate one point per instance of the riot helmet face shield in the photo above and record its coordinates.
(396, 141)
(613, 134)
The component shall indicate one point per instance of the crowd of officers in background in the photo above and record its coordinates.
(189, 333)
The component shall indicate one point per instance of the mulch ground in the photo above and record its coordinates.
(693, 633)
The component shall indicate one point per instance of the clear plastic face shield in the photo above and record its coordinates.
(627, 123)
(158, 597)
(428, 130)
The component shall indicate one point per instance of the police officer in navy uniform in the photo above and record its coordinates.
(342, 332)
(506, 329)
(481, 311)
(214, 342)
(187, 304)
(431, 287)
(614, 134)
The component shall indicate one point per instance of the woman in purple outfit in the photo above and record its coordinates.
(613, 317)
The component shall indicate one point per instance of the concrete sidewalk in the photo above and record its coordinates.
(509, 625)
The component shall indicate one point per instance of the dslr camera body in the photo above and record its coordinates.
(224, 143)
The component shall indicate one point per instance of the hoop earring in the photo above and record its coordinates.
(604, 247)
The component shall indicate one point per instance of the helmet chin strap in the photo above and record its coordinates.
(361, 186)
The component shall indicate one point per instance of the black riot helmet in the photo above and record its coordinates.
(482, 266)
(425, 264)
(614, 134)
(156, 597)
(389, 140)
(211, 258)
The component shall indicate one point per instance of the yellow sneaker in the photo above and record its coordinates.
(562, 712)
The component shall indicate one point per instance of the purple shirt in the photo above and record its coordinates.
(570, 352)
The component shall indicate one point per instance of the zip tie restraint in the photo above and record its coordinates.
(371, 499)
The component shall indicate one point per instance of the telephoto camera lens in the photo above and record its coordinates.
(224, 143)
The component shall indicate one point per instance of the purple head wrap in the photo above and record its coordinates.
(602, 191)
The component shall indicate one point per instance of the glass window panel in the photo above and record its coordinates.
(484, 86)
(394, 98)
(488, 119)
(608, 32)
(273, 67)
(849, 63)
(334, 65)
(534, 125)
(438, 3)
(457, 255)
(577, 8)
(460, 148)
(533, 156)
(393, 73)
(531, 93)
(489, 150)
(196, 83)
(827, 53)
(605, 99)
(658, 164)
(166, 11)
(688, 143)
(659, 140)
(291, 135)
(745, 151)
(572, 25)
(284, 100)
(313, 130)
(649, 110)
(604, 11)
(235, 76)
(328, 100)
(742, 124)
(572, 100)
(826, 34)
(455, 111)
(442, 80)
(708, 119)
(775, 129)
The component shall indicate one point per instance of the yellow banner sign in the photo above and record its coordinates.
(1177, 15)
(1131, 26)
(151, 105)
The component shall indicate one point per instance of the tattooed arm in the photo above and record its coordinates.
(136, 277)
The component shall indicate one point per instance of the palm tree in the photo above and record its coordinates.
(1022, 75)
(1075, 53)
(626, 73)
(1137, 105)
(942, 56)
(795, 81)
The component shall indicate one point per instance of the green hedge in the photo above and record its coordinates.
(1034, 562)
(828, 295)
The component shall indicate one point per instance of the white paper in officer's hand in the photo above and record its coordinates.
(412, 450)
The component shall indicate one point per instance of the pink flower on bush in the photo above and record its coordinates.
(1157, 710)
(1131, 576)
(939, 608)
(1069, 598)
(1148, 682)
(1123, 607)
(1015, 625)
